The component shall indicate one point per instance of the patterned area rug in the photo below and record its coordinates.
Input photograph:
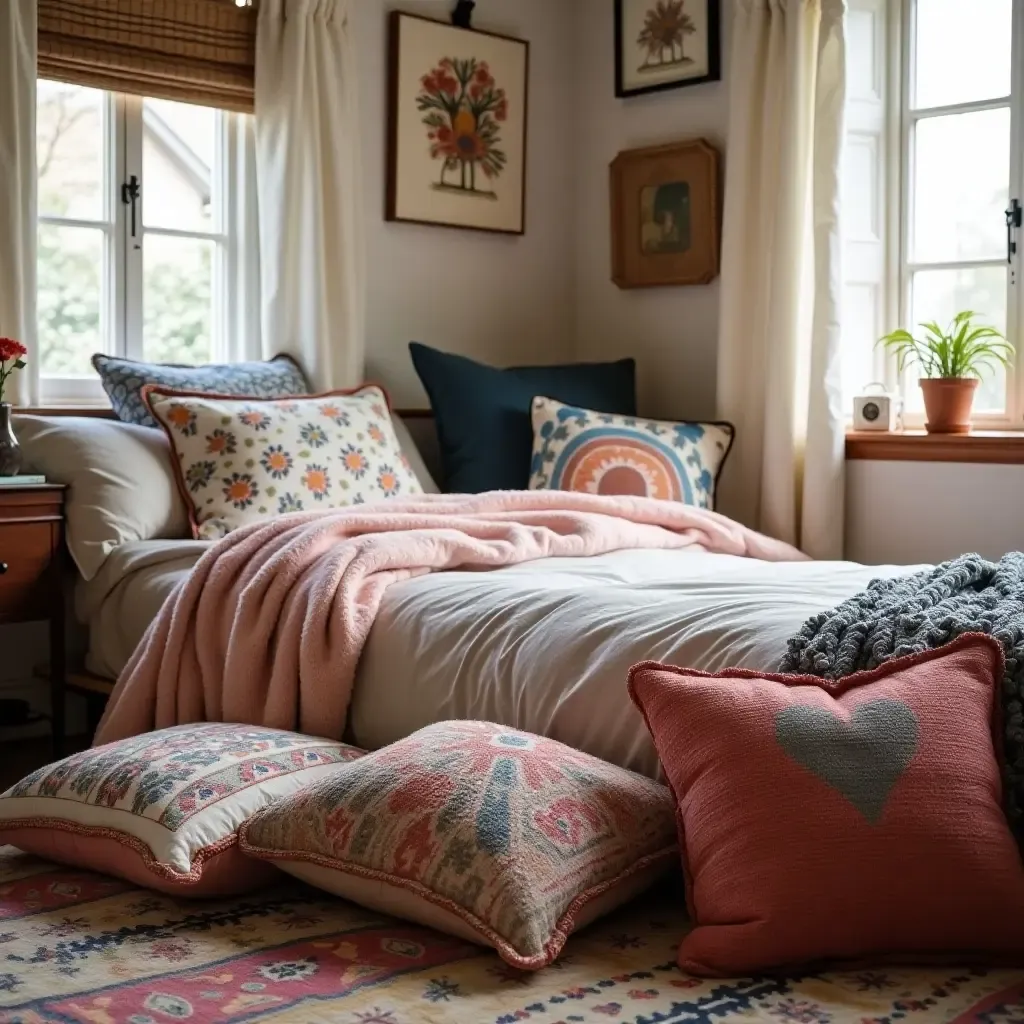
(76, 947)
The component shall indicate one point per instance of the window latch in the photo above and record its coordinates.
(130, 192)
(1013, 221)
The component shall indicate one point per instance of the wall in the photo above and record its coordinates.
(908, 512)
(672, 332)
(501, 299)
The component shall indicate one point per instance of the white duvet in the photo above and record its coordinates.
(543, 646)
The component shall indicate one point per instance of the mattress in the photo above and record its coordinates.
(543, 646)
(83, 949)
(546, 646)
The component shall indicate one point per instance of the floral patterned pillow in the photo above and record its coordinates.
(162, 809)
(240, 460)
(485, 832)
(598, 453)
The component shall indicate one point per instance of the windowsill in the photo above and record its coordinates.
(1004, 447)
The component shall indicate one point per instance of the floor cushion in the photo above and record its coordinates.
(848, 820)
(489, 833)
(162, 810)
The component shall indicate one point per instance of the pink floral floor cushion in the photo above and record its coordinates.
(163, 809)
(481, 831)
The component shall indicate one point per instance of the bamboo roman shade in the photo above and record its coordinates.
(198, 51)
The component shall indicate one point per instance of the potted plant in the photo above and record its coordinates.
(12, 355)
(952, 362)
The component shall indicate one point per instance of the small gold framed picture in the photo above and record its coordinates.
(665, 217)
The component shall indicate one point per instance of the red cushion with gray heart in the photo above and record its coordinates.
(840, 820)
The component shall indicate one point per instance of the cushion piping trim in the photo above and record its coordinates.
(132, 842)
(559, 933)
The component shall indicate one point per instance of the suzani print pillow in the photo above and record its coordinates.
(598, 453)
(495, 835)
(240, 460)
(163, 809)
(840, 820)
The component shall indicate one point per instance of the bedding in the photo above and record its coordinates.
(269, 626)
(494, 646)
(80, 948)
(121, 488)
(296, 596)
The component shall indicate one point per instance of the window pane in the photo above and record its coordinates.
(69, 148)
(177, 299)
(178, 146)
(963, 51)
(857, 341)
(70, 296)
(961, 186)
(939, 295)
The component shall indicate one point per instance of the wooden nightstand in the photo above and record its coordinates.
(31, 577)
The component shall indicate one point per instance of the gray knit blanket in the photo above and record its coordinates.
(894, 617)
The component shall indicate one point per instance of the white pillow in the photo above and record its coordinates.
(120, 479)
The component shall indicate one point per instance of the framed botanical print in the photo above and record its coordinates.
(664, 44)
(457, 126)
(665, 216)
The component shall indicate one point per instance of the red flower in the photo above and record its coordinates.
(501, 110)
(445, 83)
(11, 349)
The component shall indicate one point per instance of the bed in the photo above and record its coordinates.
(498, 646)
(78, 947)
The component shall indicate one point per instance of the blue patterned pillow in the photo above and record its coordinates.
(124, 379)
(598, 453)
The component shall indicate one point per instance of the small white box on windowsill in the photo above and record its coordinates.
(877, 410)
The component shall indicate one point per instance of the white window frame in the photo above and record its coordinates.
(235, 265)
(905, 118)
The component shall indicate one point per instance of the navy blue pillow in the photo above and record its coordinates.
(483, 413)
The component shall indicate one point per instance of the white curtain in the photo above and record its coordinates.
(18, 191)
(307, 168)
(778, 367)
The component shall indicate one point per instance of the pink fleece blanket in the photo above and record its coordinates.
(269, 626)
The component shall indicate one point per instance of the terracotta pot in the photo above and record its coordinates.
(947, 404)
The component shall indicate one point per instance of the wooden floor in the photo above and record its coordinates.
(19, 757)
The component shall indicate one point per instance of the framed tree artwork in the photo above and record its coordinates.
(457, 126)
(665, 215)
(665, 44)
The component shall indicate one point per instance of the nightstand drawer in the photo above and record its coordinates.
(26, 585)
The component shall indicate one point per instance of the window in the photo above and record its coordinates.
(144, 278)
(934, 159)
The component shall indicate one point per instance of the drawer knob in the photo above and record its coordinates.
(3, 568)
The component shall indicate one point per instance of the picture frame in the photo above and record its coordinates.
(666, 44)
(665, 215)
(457, 126)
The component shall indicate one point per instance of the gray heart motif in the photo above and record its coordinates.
(863, 758)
